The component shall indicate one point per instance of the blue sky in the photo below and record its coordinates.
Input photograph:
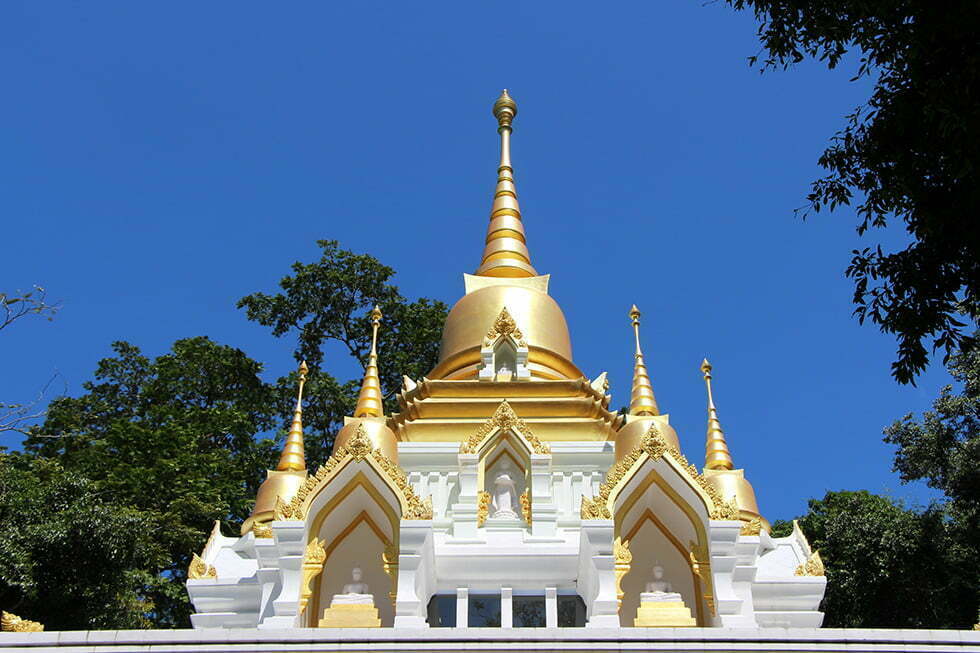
(161, 160)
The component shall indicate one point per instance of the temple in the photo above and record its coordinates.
(505, 492)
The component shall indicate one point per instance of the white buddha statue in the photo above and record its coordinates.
(659, 589)
(355, 592)
(504, 494)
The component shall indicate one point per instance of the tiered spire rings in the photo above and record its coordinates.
(293, 458)
(642, 401)
(716, 454)
(505, 253)
(369, 401)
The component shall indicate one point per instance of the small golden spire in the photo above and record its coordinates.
(505, 253)
(716, 454)
(642, 401)
(293, 458)
(369, 402)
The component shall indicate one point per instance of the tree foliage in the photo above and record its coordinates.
(173, 438)
(129, 476)
(910, 154)
(889, 566)
(329, 301)
(71, 556)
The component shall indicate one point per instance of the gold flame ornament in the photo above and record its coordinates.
(11, 623)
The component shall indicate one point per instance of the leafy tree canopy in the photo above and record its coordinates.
(910, 154)
(943, 448)
(173, 438)
(329, 300)
(888, 566)
(71, 556)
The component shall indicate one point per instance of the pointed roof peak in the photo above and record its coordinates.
(369, 401)
(505, 252)
(293, 457)
(716, 453)
(642, 400)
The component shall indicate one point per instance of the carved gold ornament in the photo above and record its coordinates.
(313, 559)
(526, 505)
(390, 560)
(482, 507)
(504, 418)
(594, 508)
(812, 567)
(262, 531)
(11, 623)
(752, 527)
(199, 569)
(357, 448)
(623, 561)
(505, 325)
(656, 446)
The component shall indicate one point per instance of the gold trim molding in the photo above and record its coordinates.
(526, 505)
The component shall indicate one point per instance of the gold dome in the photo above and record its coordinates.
(277, 484)
(375, 429)
(732, 483)
(630, 436)
(536, 314)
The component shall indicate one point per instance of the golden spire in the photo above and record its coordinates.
(716, 454)
(292, 458)
(369, 401)
(505, 253)
(642, 401)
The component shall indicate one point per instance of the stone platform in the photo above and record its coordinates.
(496, 639)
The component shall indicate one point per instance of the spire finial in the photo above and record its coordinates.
(642, 401)
(716, 455)
(293, 458)
(369, 401)
(505, 253)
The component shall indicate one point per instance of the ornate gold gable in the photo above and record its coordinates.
(357, 449)
(504, 418)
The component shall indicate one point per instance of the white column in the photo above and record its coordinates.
(551, 607)
(506, 607)
(462, 607)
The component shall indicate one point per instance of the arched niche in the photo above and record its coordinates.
(659, 504)
(507, 453)
(356, 516)
(651, 543)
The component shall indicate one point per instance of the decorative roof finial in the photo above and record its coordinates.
(292, 458)
(505, 253)
(642, 401)
(369, 402)
(716, 455)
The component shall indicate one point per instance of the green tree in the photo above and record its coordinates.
(889, 566)
(909, 155)
(70, 556)
(943, 449)
(329, 300)
(173, 438)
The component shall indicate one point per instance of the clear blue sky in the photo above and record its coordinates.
(161, 160)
